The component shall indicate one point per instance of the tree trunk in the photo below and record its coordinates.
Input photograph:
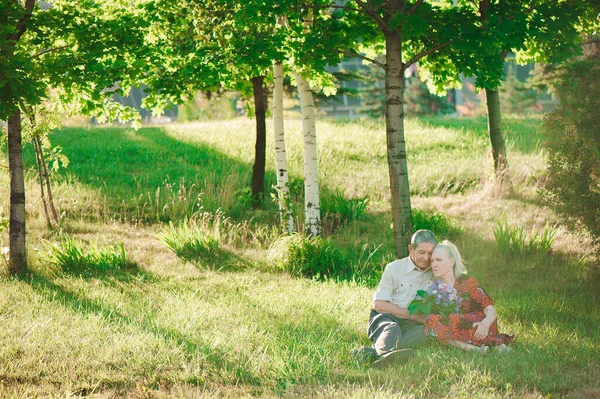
(396, 146)
(283, 190)
(312, 210)
(502, 184)
(38, 157)
(44, 177)
(18, 254)
(49, 189)
(258, 171)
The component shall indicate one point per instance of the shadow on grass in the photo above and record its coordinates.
(82, 305)
(151, 176)
(295, 342)
(135, 171)
(219, 260)
(522, 133)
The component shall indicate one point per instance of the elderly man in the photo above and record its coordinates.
(391, 329)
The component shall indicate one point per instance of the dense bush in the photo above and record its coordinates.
(573, 144)
(304, 256)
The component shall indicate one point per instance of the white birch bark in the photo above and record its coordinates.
(283, 190)
(312, 210)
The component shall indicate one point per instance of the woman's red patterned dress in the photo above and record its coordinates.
(459, 326)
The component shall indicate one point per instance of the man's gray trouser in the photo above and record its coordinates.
(389, 332)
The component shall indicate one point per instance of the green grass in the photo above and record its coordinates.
(224, 322)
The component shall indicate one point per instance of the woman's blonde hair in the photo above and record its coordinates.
(459, 263)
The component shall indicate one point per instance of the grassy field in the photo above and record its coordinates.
(230, 324)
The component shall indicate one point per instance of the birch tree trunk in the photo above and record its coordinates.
(502, 184)
(396, 146)
(283, 190)
(312, 210)
(258, 171)
(18, 254)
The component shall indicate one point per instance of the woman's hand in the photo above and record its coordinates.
(483, 328)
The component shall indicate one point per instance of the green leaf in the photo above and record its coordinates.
(427, 308)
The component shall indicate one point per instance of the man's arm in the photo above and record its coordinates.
(388, 307)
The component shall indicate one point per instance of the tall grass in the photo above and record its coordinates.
(73, 256)
(190, 243)
(512, 240)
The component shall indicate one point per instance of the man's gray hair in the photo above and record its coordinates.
(422, 236)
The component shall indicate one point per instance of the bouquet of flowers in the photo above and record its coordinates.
(438, 299)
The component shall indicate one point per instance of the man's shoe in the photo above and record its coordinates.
(364, 354)
(397, 357)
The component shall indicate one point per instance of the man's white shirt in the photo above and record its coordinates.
(400, 281)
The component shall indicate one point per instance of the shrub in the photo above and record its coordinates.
(313, 257)
(72, 256)
(441, 225)
(573, 144)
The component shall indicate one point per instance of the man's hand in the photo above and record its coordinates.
(483, 328)
(419, 318)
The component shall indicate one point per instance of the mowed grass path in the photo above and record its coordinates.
(166, 328)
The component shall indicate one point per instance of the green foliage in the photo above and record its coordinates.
(312, 257)
(573, 144)
(342, 210)
(509, 239)
(57, 52)
(515, 96)
(441, 225)
(3, 224)
(72, 256)
(190, 242)
(373, 94)
(512, 240)
(534, 31)
(203, 107)
(420, 101)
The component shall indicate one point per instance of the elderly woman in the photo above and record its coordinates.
(475, 327)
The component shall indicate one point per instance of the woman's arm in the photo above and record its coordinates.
(483, 327)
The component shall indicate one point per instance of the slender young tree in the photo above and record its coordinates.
(312, 209)
(64, 47)
(227, 43)
(409, 32)
(534, 31)
(260, 112)
(283, 190)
